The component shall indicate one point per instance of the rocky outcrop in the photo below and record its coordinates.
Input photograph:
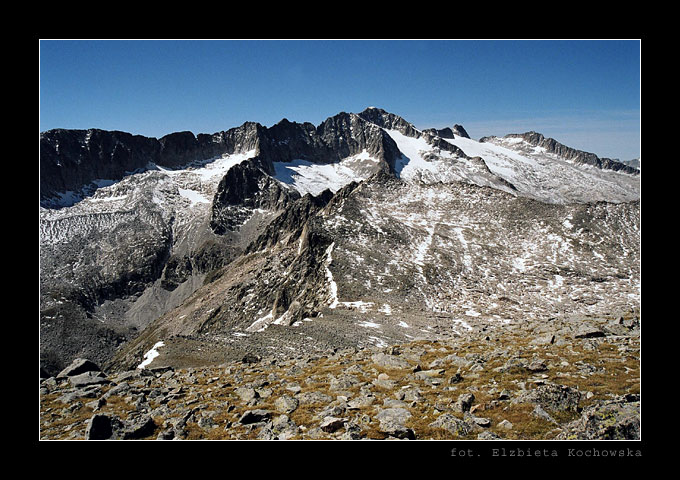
(617, 419)
(448, 132)
(246, 186)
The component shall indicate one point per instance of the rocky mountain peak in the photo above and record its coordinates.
(460, 131)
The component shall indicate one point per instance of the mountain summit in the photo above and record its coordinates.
(361, 231)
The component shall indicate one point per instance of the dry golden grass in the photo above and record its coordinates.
(617, 372)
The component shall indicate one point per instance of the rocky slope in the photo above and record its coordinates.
(384, 261)
(572, 379)
(294, 240)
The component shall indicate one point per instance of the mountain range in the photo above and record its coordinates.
(294, 239)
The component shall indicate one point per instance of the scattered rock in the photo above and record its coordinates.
(340, 398)
(537, 366)
(481, 421)
(331, 424)
(505, 424)
(540, 413)
(464, 402)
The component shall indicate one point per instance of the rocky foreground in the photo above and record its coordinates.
(575, 378)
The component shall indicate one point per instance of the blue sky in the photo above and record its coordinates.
(585, 94)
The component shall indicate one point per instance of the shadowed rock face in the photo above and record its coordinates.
(207, 243)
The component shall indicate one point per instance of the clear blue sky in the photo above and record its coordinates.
(585, 94)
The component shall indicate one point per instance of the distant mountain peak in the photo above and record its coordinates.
(538, 140)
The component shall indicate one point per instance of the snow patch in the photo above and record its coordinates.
(150, 355)
(367, 324)
(260, 324)
(333, 287)
(307, 177)
(193, 196)
(386, 309)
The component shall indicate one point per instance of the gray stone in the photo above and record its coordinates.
(436, 372)
(343, 382)
(588, 331)
(360, 402)
(481, 421)
(331, 424)
(103, 427)
(139, 428)
(314, 397)
(540, 413)
(506, 425)
(392, 422)
(286, 404)
(537, 366)
(78, 366)
(284, 428)
(255, 416)
(452, 424)
(387, 384)
(390, 361)
(605, 421)
(395, 414)
(294, 388)
(88, 378)
(553, 397)
(246, 394)
(464, 402)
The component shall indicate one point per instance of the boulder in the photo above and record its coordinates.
(390, 361)
(331, 424)
(254, 416)
(88, 378)
(607, 421)
(392, 422)
(452, 424)
(553, 397)
(103, 427)
(78, 366)
(286, 404)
